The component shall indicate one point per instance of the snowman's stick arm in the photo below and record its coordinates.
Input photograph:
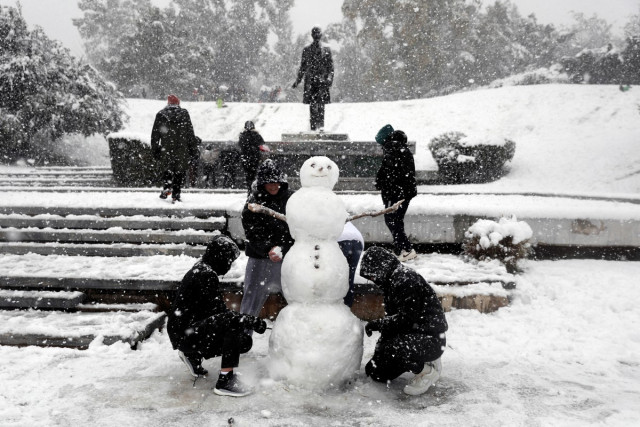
(390, 209)
(257, 208)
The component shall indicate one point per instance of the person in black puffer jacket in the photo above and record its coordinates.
(413, 328)
(200, 325)
(268, 238)
(396, 180)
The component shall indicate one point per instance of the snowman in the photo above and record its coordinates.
(316, 341)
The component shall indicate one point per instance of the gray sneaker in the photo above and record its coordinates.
(421, 382)
(194, 364)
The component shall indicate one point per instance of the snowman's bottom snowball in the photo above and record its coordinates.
(315, 346)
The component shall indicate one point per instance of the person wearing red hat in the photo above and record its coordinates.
(173, 145)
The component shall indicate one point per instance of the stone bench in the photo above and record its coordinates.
(57, 300)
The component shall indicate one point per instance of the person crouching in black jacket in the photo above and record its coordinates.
(201, 326)
(413, 328)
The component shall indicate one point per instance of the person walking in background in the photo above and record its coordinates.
(250, 141)
(200, 325)
(173, 145)
(412, 331)
(316, 67)
(396, 180)
(351, 244)
(268, 238)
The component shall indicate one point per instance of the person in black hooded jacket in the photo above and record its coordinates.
(413, 329)
(396, 180)
(268, 238)
(250, 141)
(200, 325)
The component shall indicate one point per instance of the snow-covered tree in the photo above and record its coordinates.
(46, 93)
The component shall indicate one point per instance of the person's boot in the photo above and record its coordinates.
(230, 385)
(165, 193)
(194, 364)
(422, 381)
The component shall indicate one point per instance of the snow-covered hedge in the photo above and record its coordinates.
(463, 159)
(506, 240)
(131, 160)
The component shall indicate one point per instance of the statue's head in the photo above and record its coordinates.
(316, 33)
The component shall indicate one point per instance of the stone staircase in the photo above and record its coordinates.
(55, 287)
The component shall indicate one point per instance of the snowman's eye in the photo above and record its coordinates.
(313, 165)
(329, 167)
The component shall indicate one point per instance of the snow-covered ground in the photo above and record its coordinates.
(565, 352)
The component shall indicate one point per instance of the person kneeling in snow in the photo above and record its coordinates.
(200, 324)
(413, 328)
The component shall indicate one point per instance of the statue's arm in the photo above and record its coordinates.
(301, 71)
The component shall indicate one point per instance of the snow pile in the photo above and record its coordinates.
(491, 233)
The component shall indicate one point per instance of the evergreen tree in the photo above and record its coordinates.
(46, 92)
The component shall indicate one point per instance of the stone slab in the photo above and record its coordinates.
(314, 136)
(99, 223)
(60, 300)
(76, 330)
(101, 249)
(90, 236)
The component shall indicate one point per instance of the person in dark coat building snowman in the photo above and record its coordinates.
(250, 142)
(173, 146)
(316, 67)
(396, 180)
(412, 332)
(267, 238)
(200, 325)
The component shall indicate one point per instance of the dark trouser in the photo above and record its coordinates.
(172, 179)
(395, 223)
(316, 114)
(352, 249)
(210, 340)
(403, 353)
(250, 170)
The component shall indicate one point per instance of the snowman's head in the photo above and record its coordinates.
(319, 171)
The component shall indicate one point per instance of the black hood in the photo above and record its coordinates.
(396, 141)
(220, 254)
(268, 172)
(377, 264)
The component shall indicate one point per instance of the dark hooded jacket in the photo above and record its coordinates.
(199, 299)
(396, 178)
(411, 305)
(263, 232)
(250, 142)
(317, 69)
(173, 143)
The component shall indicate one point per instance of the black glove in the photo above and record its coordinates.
(294, 85)
(372, 326)
(254, 323)
(259, 326)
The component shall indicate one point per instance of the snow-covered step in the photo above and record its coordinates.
(101, 249)
(177, 210)
(60, 300)
(112, 235)
(95, 222)
(76, 330)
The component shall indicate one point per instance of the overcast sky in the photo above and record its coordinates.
(55, 15)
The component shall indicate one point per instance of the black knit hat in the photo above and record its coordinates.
(249, 125)
(383, 134)
(377, 263)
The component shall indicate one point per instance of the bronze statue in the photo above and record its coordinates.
(317, 69)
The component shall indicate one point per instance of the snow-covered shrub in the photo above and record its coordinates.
(506, 240)
(462, 159)
(553, 74)
(131, 160)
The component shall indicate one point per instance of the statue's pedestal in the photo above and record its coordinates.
(314, 136)
(358, 161)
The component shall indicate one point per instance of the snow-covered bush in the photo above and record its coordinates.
(506, 240)
(131, 160)
(553, 74)
(45, 93)
(462, 159)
